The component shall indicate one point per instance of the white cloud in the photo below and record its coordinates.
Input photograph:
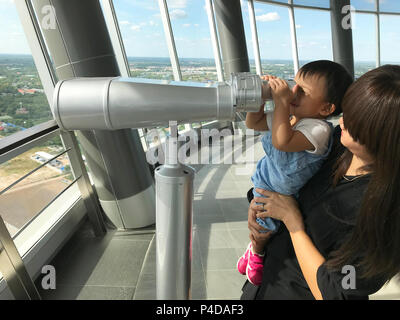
(299, 26)
(270, 16)
(178, 14)
(186, 25)
(124, 22)
(135, 27)
(177, 4)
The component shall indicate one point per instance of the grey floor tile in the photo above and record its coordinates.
(146, 288)
(235, 209)
(225, 284)
(198, 286)
(67, 292)
(390, 291)
(219, 259)
(240, 238)
(214, 238)
(206, 206)
(112, 263)
(236, 224)
(385, 297)
(149, 263)
(216, 221)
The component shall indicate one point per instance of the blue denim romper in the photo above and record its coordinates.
(284, 172)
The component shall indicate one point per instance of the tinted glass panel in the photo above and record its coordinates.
(364, 43)
(191, 32)
(23, 103)
(389, 5)
(314, 40)
(25, 200)
(144, 39)
(390, 39)
(273, 29)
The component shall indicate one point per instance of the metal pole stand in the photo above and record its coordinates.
(174, 209)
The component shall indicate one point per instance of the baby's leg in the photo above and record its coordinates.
(267, 223)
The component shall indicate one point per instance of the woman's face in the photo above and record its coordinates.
(354, 147)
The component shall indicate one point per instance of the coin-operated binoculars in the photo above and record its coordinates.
(121, 103)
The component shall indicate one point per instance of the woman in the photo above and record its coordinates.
(342, 239)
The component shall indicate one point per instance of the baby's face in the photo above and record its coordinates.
(310, 92)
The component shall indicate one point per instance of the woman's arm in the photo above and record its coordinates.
(284, 138)
(309, 260)
(285, 208)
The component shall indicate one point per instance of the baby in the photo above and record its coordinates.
(297, 141)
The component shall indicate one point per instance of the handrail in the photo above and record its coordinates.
(22, 137)
(32, 171)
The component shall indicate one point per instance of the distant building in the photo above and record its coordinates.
(4, 118)
(22, 111)
(29, 91)
(42, 157)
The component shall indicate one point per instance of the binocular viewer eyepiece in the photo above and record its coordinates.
(266, 89)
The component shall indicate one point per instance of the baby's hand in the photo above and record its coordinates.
(267, 77)
(281, 91)
(266, 89)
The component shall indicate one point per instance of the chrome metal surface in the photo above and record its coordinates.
(13, 269)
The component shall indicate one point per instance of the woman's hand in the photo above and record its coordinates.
(254, 227)
(280, 207)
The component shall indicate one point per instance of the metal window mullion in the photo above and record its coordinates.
(116, 37)
(378, 34)
(380, 12)
(40, 57)
(293, 36)
(27, 146)
(13, 268)
(214, 39)
(88, 192)
(254, 36)
(283, 4)
(170, 40)
(176, 69)
(299, 6)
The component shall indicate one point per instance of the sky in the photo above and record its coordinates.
(143, 34)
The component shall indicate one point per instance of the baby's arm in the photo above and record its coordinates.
(284, 138)
(257, 120)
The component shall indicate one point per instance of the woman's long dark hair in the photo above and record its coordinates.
(371, 115)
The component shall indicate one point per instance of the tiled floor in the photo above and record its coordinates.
(122, 264)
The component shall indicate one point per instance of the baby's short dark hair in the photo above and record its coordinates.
(338, 80)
